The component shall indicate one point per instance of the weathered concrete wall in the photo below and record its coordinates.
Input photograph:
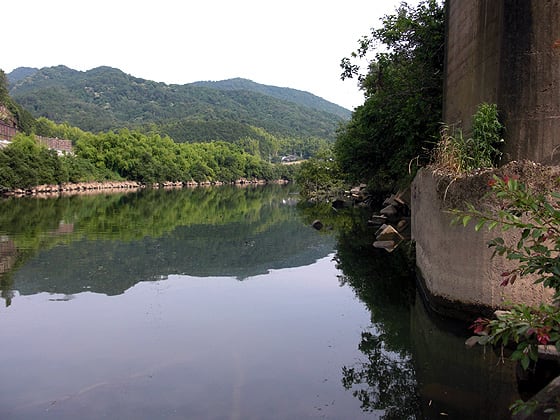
(472, 58)
(455, 262)
(507, 52)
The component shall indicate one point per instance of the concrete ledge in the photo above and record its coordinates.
(455, 262)
(447, 307)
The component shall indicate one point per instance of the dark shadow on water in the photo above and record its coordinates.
(415, 363)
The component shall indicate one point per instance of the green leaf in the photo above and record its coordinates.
(492, 225)
(499, 241)
(472, 341)
(537, 233)
(516, 355)
(485, 339)
(480, 224)
(525, 362)
(523, 329)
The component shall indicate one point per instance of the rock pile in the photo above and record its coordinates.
(357, 196)
(392, 221)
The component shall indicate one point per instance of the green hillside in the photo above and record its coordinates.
(105, 98)
(283, 93)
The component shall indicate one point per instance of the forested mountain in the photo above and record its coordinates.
(147, 157)
(287, 94)
(105, 98)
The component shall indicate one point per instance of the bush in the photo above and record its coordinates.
(458, 154)
(319, 178)
(537, 218)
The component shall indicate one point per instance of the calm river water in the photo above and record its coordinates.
(222, 303)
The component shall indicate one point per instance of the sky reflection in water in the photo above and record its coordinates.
(271, 346)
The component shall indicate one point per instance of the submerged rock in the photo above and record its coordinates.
(317, 224)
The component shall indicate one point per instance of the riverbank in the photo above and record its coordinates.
(95, 187)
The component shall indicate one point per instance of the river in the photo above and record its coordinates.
(223, 303)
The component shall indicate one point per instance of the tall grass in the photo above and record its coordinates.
(458, 154)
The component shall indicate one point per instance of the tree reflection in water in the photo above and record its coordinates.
(109, 242)
(414, 364)
(385, 379)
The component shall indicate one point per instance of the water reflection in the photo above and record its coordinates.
(186, 347)
(414, 364)
(385, 378)
(142, 313)
(108, 243)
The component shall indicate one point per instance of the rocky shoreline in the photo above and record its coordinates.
(105, 186)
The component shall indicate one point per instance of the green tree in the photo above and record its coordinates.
(25, 163)
(403, 87)
(319, 177)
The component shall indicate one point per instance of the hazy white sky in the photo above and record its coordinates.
(289, 43)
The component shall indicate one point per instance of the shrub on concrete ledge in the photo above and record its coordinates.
(525, 329)
(459, 154)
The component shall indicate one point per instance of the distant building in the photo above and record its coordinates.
(61, 146)
(289, 158)
(8, 132)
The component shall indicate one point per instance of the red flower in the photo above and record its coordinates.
(542, 335)
(491, 182)
(511, 277)
(479, 325)
(543, 339)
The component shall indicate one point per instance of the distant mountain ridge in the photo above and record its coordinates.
(105, 98)
(21, 73)
(284, 93)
